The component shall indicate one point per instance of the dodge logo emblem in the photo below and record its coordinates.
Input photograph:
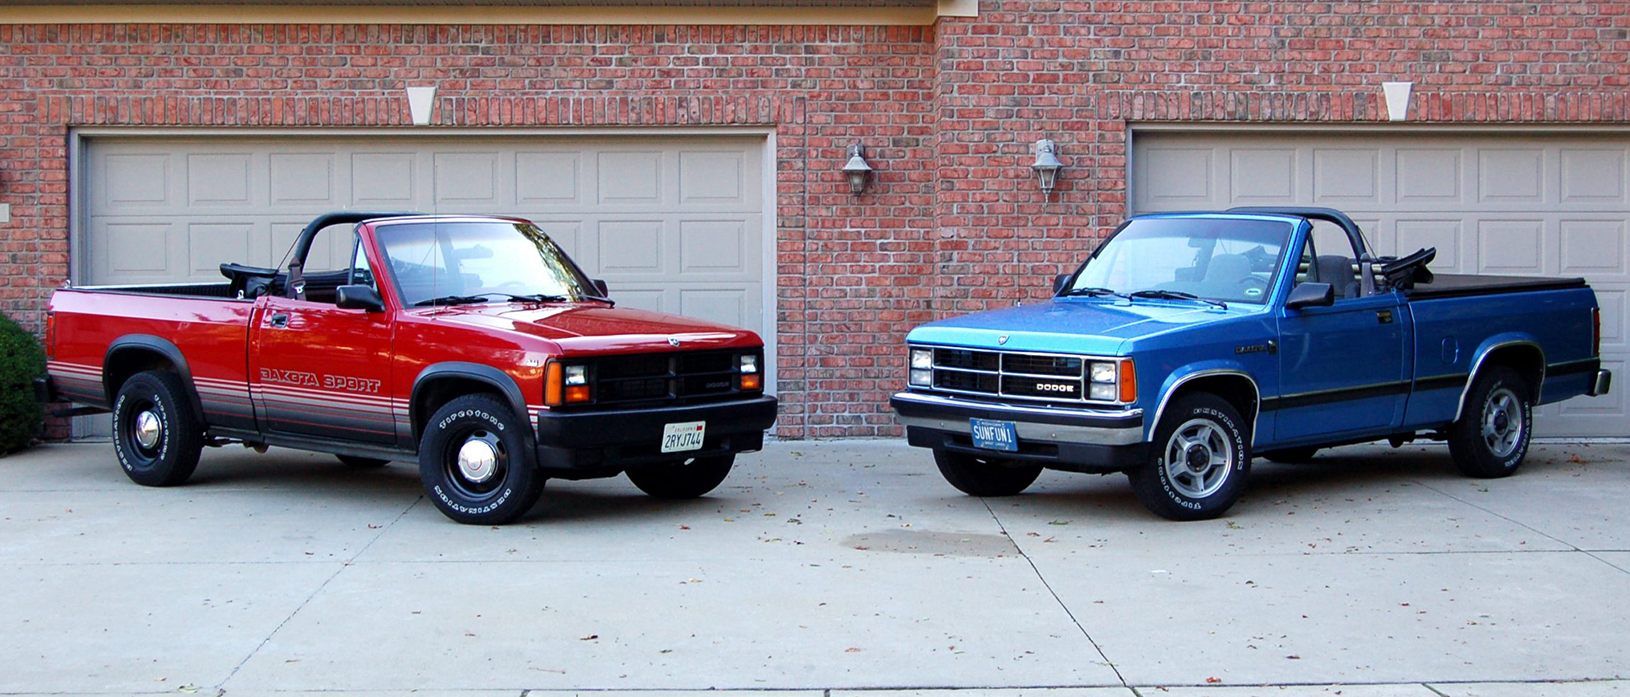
(673, 342)
(1001, 339)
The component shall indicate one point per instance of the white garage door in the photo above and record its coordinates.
(1507, 204)
(675, 225)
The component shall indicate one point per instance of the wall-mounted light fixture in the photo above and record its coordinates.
(1047, 165)
(856, 169)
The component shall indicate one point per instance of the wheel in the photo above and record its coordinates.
(1291, 455)
(475, 464)
(978, 476)
(1491, 437)
(156, 434)
(362, 463)
(682, 480)
(1200, 459)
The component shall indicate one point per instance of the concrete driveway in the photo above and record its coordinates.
(831, 567)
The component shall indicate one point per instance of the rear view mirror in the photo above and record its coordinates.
(358, 298)
(1060, 282)
(1311, 295)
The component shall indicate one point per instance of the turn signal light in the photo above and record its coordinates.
(752, 381)
(50, 335)
(1596, 331)
(552, 385)
(1129, 382)
(577, 393)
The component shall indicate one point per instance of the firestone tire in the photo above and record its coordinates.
(156, 434)
(683, 480)
(976, 476)
(1291, 456)
(1198, 462)
(1491, 438)
(475, 464)
(361, 463)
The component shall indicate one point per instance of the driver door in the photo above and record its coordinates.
(316, 369)
(1341, 367)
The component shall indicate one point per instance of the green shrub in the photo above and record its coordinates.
(20, 362)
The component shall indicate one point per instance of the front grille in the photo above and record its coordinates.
(664, 378)
(1027, 376)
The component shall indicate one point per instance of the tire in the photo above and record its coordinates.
(1491, 438)
(466, 486)
(1291, 456)
(361, 463)
(157, 436)
(683, 480)
(1205, 430)
(977, 476)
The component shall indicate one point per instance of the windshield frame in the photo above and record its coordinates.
(1274, 290)
(579, 287)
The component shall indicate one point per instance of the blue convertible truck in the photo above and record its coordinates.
(1188, 343)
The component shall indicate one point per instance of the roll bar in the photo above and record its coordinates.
(1329, 215)
(302, 245)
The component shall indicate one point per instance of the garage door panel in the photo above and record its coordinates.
(549, 178)
(132, 181)
(633, 248)
(385, 180)
(210, 244)
(219, 179)
(630, 178)
(301, 179)
(1527, 205)
(468, 181)
(708, 178)
(723, 305)
(134, 251)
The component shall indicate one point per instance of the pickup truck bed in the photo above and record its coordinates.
(1451, 285)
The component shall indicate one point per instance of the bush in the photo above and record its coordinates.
(20, 362)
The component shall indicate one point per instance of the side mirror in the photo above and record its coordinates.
(600, 287)
(358, 298)
(1311, 295)
(1060, 282)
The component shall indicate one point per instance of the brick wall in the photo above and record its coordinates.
(953, 222)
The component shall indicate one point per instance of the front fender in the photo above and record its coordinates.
(1199, 370)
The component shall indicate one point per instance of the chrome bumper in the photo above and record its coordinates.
(1603, 383)
(1043, 424)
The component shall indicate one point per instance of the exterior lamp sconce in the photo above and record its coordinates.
(856, 169)
(1047, 166)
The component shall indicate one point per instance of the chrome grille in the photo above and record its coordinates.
(1013, 375)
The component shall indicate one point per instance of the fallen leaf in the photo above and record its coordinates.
(590, 637)
(1213, 679)
(852, 649)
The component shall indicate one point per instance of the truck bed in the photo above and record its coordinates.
(1455, 285)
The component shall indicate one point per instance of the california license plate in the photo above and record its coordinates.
(995, 435)
(678, 438)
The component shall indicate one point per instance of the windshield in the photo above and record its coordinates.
(436, 263)
(1216, 259)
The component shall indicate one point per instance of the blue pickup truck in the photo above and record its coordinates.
(1188, 343)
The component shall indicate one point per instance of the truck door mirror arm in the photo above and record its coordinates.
(1311, 295)
(355, 297)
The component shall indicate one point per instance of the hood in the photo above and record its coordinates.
(596, 328)
(1089, 326)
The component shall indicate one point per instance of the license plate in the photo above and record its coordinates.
(995, 435)
(677, 438)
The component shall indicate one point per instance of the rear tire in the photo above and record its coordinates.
(475, 464)
(1491, 438)
(157, 436)
(361, 463)
(1198, 463)
(1291, 456)
(683, 480)
(977, 476)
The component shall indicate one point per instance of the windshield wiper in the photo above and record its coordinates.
(483, 297)
(451, 300)
(1092, 292)
(1176, 295)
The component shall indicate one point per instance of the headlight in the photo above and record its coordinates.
(749, 363)
(922, 378)
(1103, 392)
(577, 375)
(922, 359)
(1103, 372)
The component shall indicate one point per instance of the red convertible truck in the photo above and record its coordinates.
(473, 345)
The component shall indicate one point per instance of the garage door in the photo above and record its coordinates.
(1520, 205)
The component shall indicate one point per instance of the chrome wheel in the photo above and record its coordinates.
(1198, 459)
(476, 463)
(1502, 422)
(148, 429)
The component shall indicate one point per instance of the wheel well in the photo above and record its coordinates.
(125, 363)
(1235, 389)
(438, 391)
(1526, 359)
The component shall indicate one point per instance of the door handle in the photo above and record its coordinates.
(280, 320)
(1383, 316)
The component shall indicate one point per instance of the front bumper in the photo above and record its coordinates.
(1079, 440)
(581, 445)
(1603, 383)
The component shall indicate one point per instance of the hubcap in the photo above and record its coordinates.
(1502, 422)
(477, 460)
(1198, 459)
(148, 430)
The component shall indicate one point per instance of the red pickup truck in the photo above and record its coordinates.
(473, 345)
